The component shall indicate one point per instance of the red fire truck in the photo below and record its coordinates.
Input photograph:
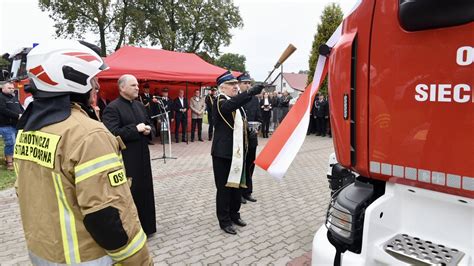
(17, 73)
(401, 85)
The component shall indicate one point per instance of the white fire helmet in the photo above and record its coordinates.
(62, 66)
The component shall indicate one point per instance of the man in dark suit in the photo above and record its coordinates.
(252, 109)
(181, 116)
(210, 99)
(229, 149)
(321, 113)
(146, 99)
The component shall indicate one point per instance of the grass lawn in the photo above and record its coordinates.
(7, 178)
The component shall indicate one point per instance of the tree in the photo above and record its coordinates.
(190, 25)
(330, 19)
(110, 18)
(231, 61)
(195, 26)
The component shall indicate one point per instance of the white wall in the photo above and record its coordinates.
(286, 86)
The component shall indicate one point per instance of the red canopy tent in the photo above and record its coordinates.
(159, 68)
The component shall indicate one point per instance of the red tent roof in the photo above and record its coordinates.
(160, 65)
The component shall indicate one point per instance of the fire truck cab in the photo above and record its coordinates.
(17, 73)
(401, 85)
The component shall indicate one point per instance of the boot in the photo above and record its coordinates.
(9, 162)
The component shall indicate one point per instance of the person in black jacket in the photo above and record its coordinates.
(252, 109)
(146, 99)
(229, 149)
(312, 116)
(181, 116)
(127, 118)
(210, 99)
(321, 113)
(285, 104)
(10, 112)
(266, 111)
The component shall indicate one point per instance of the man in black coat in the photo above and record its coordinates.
(252, 109)
(127, 118)
(321, 112)
(210, 99)
(181, 116)
(147, 100)
(229, 152)
(10, 112)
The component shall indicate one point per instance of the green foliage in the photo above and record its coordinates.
(190, 25)
(177, 25)
(110, 18)
(330, 19)
(4, 63)
(7, 178)
(231, 61)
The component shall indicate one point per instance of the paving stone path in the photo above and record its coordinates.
(281, 225)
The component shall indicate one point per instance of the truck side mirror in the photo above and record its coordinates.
(324, 49)
(5, 75)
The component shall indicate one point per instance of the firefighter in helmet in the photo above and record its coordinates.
(74, 196)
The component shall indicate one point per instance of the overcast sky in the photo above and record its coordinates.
(269, 26)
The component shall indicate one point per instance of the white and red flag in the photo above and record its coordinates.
(286, 141)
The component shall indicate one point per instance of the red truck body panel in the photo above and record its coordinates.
(413, 107)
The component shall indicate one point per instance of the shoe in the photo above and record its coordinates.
(192, 140)
(239, 222)
(230, 230)
(243, 200)
(150, 143)
(250, 198)
(201, 140)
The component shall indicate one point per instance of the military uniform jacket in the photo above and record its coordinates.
(223, 116)
(252, 110)
(321, 108)
(210, 100)
(66, 171)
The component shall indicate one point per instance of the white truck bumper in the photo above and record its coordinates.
(441, 218)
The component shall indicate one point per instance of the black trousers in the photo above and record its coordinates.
(227, 199)
(211, 124)
(312, 125)
(196, 122)
(183, 121)
(249, 167)
(265, 126)
(320, 126)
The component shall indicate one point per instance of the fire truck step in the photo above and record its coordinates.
(414, 250)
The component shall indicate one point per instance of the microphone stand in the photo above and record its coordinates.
(165, 123)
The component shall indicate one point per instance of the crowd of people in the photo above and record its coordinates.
(92, 163)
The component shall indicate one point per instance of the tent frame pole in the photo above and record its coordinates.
(187, 111)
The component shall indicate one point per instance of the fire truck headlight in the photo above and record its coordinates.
(339, 221)
(345, 216)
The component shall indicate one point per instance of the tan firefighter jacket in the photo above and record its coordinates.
(66, 171)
